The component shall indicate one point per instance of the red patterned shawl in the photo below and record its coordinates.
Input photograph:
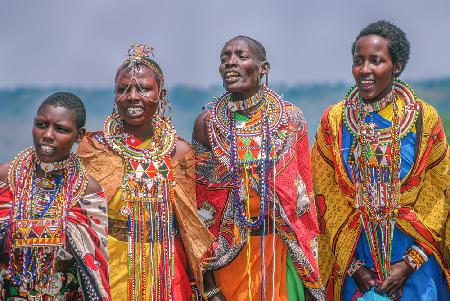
(296, 219)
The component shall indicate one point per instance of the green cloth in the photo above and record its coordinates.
(294, 284)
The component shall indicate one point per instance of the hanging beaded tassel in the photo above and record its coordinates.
(375, 164)
(147, 192)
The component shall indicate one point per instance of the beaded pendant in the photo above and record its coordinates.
(147, 193)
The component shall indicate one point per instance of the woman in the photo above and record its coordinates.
(148, 175)
(53, 219)
(381, 175)
(254, 186)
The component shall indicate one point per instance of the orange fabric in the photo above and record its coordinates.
(233, 279)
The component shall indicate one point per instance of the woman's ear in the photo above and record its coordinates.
(265, 68)
(81, 133)
(398, 68)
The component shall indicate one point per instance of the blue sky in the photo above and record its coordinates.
(81, 43)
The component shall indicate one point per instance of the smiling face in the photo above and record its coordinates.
(373, 69)
(54, 133)
(137, 93)
(240, 67)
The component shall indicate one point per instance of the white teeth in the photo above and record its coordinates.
(47, 149)
(367, 82)
(135, 110)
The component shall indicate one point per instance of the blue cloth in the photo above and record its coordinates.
(428, 283)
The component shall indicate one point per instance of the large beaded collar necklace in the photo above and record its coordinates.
(249, 146)
(248, 131)
(147, 193)
(375, 166)
(355, 110)
(39, 215)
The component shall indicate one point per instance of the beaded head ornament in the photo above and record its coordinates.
(139, 54)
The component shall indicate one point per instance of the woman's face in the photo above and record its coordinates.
(373, 69)
(136, 95)
(240, 68)
(54, 133)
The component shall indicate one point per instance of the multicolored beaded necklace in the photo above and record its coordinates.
(147, 191)
(375, 164)
(39, 215)
(248, 145)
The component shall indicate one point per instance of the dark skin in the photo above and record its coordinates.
(373, 68)
(241, 70)
(137, 95)
(54, 133)
(374, 72)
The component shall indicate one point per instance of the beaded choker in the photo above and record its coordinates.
(53, 166)
(147, 193)
(243, 105)
(38, 217)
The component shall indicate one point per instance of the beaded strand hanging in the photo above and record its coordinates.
(147, 193)
(249, 145)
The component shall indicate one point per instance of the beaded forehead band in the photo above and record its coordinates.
(140, 54)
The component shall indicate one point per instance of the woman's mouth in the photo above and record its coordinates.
(366, 84)
(134, 111)
(46, 150)
(231, 76)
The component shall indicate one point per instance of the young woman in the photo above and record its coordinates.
(53, 218)
(155, 238)
(381, 175)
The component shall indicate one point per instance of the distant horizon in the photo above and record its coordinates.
(219, 84)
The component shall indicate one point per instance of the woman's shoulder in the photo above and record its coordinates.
(182, 149)
(93, 186)
(4, 167)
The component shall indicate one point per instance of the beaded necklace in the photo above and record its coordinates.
(147, 193)
(375, 166)
(39, 215)
(248, 145)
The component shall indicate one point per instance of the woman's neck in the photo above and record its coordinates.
(143, 131)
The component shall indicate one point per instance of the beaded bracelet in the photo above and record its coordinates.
(355, 266)
(210, 293)
(415, 257)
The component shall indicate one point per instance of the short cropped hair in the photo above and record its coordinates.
(398, 44)
(259, 49)
(69, 101)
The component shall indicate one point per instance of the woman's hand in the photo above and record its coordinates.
(365, 279)
(218, 297)
(398, 275)
(209, 284)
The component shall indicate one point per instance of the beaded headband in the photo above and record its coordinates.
(140, 54)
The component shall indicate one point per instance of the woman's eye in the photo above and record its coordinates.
(376, 61)
(62, 130)
(40, 125)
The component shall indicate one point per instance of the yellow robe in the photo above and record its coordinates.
(424, 199)
(104, 165)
